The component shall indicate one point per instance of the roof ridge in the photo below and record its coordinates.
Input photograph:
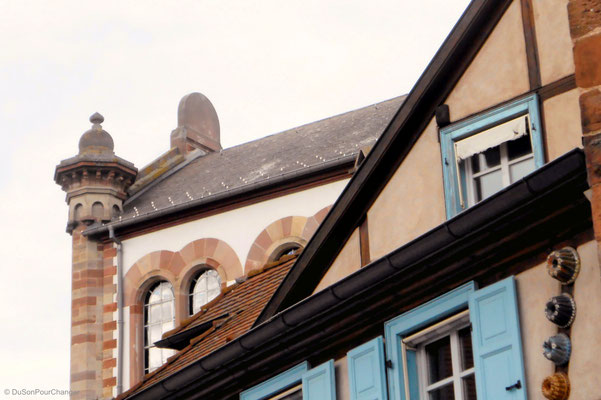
(294, 128)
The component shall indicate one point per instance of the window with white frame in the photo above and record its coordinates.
(490, 151)
(205, 286)
(159, 317)
(445, 359)
(465, 344)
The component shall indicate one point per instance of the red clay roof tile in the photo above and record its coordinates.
(243, 302)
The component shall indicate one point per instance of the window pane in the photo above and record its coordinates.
(199, 300)
(212, 294)
(488, 184)
(439, 359)
(205, 288)
(521, 169)
(167, 311)
(166, 291)
(158, 319)
(443, 393)
(201, 283)
(519, 147)
(155, 297)
(465, 341)
(167, 326)
(212, 281)
(154, 358)
(488, 159)
(154, 313)
(155, 334)
(469, 387)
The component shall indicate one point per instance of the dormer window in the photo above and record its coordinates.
(488, 152)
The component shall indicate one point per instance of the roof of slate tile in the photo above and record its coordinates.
(233, 313)
(272, 156)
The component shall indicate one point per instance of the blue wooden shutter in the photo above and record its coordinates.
(318, 383)
(367, 376)
(496, 342)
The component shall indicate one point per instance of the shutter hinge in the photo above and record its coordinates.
(389, 364)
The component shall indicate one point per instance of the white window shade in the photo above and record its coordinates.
(492, 137)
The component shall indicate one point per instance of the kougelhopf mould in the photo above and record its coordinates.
(561, 310)
(556, 386)
(558, 349)
(564, 265)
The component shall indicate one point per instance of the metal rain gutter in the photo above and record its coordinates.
(292, 176)
(569, 167)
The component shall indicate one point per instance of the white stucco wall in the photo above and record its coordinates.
(238, 228)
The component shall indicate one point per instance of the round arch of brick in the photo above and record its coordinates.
(293, 229)
(150, 268)
(178, 267)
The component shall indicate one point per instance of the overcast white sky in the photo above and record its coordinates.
(266, 66)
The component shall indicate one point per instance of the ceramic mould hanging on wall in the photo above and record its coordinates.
(561, 310)
(558, 349)
(556, 386)
(564, 265)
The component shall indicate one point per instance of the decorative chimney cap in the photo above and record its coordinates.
(197, 125)
(96, 140)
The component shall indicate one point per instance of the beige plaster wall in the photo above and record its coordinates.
(342, 383)
(412, 202)
(535, 287)
(553, 39)
(347, 262)
(562, 124)
(585, 362)
(498, 72)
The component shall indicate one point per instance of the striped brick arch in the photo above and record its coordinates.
(178, 268)
(293, 229)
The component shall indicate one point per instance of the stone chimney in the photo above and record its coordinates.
(197, 125)
(96, 182)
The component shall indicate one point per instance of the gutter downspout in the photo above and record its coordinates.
(119, 309)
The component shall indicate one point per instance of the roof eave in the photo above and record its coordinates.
(558, 186)
(341, 165)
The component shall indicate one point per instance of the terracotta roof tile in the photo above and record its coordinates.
(239, 305)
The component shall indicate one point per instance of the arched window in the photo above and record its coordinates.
(205, 286)
(284, 250)
(159, 317)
